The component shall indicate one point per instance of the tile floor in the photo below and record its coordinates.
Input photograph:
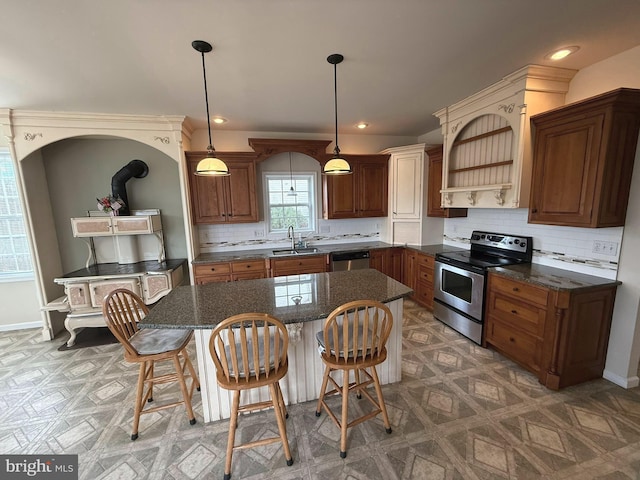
(460, 412)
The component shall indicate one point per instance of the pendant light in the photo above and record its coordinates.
(209, 165)
(337, 165)
(292, 191)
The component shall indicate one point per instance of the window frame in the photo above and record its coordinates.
(21, 275)
(311, 179)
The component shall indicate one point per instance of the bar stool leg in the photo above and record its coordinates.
(344, 422)
(233, 423)
(323, 389)
(383, 407)
(185, 390)
(273, 390)
(138, 406)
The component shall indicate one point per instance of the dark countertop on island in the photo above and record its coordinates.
(204, 306)
(263, 253)
(553, 278)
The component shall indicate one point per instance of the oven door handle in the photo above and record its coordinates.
(466, 271)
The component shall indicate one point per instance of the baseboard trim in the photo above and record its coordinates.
(20, 326)
(624, 382)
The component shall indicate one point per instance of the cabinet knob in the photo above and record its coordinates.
(213, 269)
(511, 339)
(516, 289)
(534, 210)
(515, 312)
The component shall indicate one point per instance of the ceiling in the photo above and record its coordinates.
(404, 59)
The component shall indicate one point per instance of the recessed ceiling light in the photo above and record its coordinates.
(362, 125)
(562, 53)
(219, 120)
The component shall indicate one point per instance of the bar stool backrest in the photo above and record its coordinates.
(122, 310)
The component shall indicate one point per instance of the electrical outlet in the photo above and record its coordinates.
(605, 248)
(258, 234)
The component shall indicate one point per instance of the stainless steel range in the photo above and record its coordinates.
(460, 278)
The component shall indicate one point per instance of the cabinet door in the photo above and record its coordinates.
(395, 268)
(91, 226)
(339, 196)
(298, 266)
(434, 197)
(407, 192)
(78, 295)
(102, 288)
(376, 259)
(565, 171)
(373, 184)
(155, 286)
(135, 224)
(207, 196)
(241, 202)
(409, 274)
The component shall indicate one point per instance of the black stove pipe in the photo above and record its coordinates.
(135, 168)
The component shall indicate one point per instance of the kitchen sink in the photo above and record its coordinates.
(297, 251)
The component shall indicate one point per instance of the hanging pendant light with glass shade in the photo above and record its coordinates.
(209, 165)
(292, 191)
(336, 165)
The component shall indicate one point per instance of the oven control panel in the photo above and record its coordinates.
(501, 241)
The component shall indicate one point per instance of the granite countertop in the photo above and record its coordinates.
(116, 269)
(264, 253)
(553, 278)
(318, 294)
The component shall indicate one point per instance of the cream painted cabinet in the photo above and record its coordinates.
(406, 174)
(487, 140)
(107, 226)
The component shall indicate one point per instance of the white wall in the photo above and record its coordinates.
(19, 305)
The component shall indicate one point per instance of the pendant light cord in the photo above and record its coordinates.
(206, 101)
(335, 105)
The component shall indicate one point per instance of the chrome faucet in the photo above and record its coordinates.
(292, 236)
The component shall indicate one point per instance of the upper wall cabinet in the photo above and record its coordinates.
(229, 199)
(583, 161)
(487, 142)
(361, 194)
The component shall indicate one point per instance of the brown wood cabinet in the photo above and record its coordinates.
(364, 193)
(387, 261)
(298, 265)
(229, 271)
(559, 335)
(229, 199)
(583, 160)
(434, 186)
(424, 280)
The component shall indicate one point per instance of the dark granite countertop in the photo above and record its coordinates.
(116, 269)
(553, 278)
(318, 294)
(257, 254)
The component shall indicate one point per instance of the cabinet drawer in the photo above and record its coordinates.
(249, 266)
(522, 291)
(518, 346)
(424, 294)
(521, 315)
(211, 269)
(102, 288)
(248, 275)
(426, 261)
(425, 274)
(204, 279)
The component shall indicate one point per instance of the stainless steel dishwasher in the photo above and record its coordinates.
(349, 260)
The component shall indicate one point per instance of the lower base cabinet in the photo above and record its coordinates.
(387, 261)
(559, 335)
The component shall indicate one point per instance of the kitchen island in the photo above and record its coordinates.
(301, 302)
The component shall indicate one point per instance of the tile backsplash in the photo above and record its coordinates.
(594, 251)
(239, 236)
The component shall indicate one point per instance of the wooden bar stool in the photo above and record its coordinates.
(249, 350)
(354, 339)
(122, 310)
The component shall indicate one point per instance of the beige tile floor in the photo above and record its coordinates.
(460, 412)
